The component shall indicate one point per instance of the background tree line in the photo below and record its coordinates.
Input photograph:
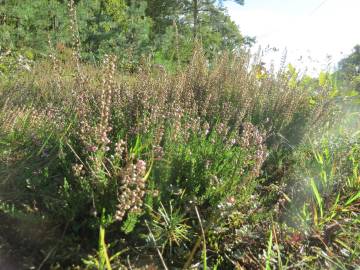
(166, 30)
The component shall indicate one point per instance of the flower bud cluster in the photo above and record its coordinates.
(252, 138)
(159, 135)
(106, 99)
(120, 148)
(206, 128)
(78, 170)
(158, 152)
(132, 189)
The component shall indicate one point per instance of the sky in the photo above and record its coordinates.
(316, 34)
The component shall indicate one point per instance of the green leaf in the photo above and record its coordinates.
(317, 196)
(352, 199)
(268, 253)
(130, 222)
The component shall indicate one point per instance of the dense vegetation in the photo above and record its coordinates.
(208, 161)
(132, 30)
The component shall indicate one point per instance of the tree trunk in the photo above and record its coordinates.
(195, 17)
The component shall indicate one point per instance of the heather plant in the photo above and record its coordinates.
(208, 165)
(94, 150)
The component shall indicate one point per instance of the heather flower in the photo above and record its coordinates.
(206, 128)
(132, 189)
(92, 148)
(231, 201)
(158, 152)
(78, 169)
